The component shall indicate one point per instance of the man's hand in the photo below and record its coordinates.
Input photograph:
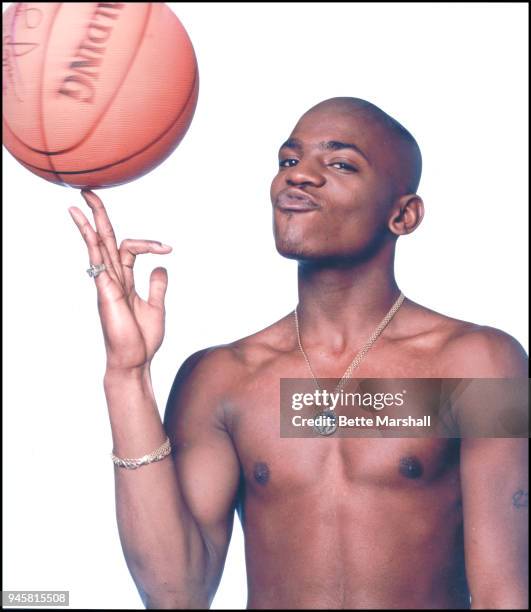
(133, 328)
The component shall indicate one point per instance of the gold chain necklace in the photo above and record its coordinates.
(329, 416)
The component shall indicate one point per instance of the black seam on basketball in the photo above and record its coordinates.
(121, 161)
(41, 90)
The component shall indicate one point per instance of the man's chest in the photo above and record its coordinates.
(274, 459)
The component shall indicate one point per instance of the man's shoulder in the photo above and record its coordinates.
(471, 350)
(225, 362)
(483, 351)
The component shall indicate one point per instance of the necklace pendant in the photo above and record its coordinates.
(327, 423)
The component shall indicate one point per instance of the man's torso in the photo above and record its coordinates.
(343, 522)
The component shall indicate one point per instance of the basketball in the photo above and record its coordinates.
(95, 94)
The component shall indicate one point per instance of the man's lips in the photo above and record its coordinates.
(296, 201)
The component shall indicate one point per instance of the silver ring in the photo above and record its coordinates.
(95, 270)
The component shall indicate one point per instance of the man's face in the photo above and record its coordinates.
(349, 190)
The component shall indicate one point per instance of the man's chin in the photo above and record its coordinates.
(292, 251)
(317, 258)
(301, 254)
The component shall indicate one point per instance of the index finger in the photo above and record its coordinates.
(104, 229)
(91, 239)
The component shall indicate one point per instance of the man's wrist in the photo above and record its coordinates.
(134, 380)
(123, 375)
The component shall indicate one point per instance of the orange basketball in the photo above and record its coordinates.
(98, 93)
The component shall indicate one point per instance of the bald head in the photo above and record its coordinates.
(397, 148)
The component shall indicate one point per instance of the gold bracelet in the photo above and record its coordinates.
(131, 464)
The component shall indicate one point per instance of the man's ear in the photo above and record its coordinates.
(406, 215)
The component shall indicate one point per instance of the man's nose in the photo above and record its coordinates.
(304, 172)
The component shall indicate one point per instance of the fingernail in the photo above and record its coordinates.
(165, 246)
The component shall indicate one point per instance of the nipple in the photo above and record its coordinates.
(410, 467)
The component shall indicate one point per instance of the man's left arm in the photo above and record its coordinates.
(494, 483)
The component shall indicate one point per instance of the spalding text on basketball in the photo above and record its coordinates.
(85, 68)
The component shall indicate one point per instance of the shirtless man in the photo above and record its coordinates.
(329, 522)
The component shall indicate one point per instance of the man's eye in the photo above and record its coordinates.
(282, 161)
(347, 166)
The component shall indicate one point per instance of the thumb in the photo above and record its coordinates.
(158, 283)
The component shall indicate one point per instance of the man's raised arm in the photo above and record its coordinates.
(175, 514)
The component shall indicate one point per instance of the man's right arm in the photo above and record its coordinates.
(175, 516)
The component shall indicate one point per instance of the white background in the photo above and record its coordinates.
(454, 74)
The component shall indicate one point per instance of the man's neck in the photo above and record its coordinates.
(341, 305)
